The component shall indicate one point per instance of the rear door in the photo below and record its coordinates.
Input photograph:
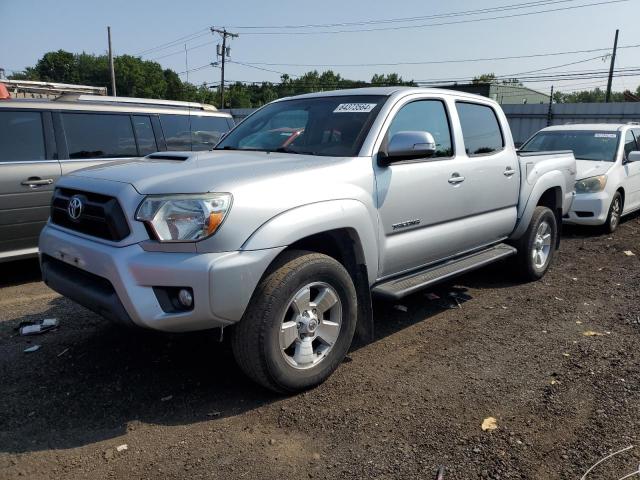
(93, 138)
(28, 170)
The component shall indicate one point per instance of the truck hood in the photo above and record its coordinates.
(591, 168)
(217, 171)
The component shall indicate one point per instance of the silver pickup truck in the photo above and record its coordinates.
(299, 216)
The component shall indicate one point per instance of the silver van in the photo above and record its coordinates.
(40, 140)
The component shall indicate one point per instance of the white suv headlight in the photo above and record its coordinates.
(184, 218)
(591, 184)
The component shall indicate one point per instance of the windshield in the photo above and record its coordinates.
(585, 144)
(329, 126)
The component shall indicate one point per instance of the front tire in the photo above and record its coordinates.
(615, 212)
(537, 246)
(299, 324)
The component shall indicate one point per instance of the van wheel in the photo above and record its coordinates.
(537, 245)
(615, 212)
(299, 324)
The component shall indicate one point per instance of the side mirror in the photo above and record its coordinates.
(633, 157)
(410, 145)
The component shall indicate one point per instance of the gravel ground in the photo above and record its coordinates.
(554, 362)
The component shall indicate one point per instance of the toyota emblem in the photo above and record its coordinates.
(74, 209)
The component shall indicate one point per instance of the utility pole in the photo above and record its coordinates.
(223, 53)
(111, 70)
(611, 67)
(550, 112)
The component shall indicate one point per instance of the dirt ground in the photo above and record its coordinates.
(556, 363)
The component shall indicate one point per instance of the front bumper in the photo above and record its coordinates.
(117, 282)
(589, 209)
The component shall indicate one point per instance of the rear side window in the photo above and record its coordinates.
(176, 130)
(144, 134)
(206, 131)
(21, 136)
(94, 135)
(426, 116)
(480, 129)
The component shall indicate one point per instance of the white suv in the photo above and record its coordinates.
(608, 161)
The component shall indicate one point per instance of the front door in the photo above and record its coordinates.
(631, 172)
(27, 174)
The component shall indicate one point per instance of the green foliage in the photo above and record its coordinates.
(596, 95)
(491, 78)
(141, 78)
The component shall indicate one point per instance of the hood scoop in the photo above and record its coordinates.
(179, 157)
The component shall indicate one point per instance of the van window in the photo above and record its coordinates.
(94, 135)
(206, 131)
(21, 136)
(176, 131)
(425, 116)
(144, 134)
(184, 132)
(480, 128)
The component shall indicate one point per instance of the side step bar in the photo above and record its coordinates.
(408, 284)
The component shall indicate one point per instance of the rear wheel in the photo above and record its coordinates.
(615, 213)
(299, 324)
(537, 246)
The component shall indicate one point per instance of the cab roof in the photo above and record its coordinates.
(607, 127)
(387, 91)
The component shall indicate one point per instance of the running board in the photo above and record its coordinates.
(408, 284)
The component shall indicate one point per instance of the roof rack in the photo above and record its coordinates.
(75, 97)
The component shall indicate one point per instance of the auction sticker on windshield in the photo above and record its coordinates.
(605, 135)
(355, 107)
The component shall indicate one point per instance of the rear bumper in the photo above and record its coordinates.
(589, 209)
(117, 282)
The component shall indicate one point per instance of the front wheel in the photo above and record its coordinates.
(299, 324)
(537, 245)
(615, 212)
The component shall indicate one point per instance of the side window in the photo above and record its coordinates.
(480, 128)
(21, 136)
(176, 131)
(206, 131)
(97, 135)
(629, 143)
(426, 116)
(144, 134)
(636, 133)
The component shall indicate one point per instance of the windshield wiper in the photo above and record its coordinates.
(290, 150)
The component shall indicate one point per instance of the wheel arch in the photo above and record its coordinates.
(340, 229)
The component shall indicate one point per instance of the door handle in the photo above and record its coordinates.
(34, 182)
(456, 178)
(509, 172)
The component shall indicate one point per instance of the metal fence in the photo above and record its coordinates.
(525, 120)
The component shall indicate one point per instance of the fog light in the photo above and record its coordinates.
(185, 298)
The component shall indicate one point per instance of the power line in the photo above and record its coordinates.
(180, 52)
(409, 19)
(438, 62)
(439, 24)
(173, 43)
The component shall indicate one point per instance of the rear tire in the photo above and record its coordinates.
(615, 213)
(299, 324)
(537, 246)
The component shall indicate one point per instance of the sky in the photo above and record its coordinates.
(29, 28)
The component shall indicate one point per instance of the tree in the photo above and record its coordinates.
(491, 78)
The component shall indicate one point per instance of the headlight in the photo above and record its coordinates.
(184, 218)
(591, 184)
